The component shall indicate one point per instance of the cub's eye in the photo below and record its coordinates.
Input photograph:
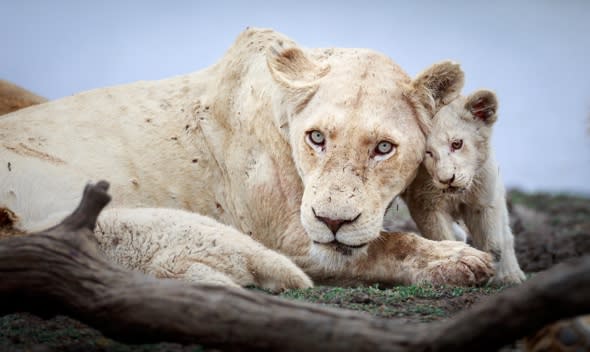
(429, 153)
(316, 137)
(383, 148)
(456, 145)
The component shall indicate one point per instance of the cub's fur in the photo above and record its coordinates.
(170, 242)
(459, 180)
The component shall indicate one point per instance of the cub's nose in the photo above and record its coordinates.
(334, 224)
(448, 181)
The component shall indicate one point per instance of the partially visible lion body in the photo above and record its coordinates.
(13, 97)
(465, 183)
(231, 258)
(229, 142)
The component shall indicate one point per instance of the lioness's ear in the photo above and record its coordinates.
(290, 65)
(483, 105)
(296, 73)
(438, 85)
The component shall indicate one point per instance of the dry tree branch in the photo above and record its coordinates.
(61, 270)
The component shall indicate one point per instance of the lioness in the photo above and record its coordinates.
(459, 180)
(299, 149)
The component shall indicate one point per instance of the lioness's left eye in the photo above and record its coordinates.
(316, 137)
(383, 148)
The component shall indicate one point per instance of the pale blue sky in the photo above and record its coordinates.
(534, 54)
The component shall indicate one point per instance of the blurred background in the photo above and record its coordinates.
(534, 54)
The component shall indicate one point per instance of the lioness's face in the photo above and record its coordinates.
(353, 119)
(457, 144)
(356, 145)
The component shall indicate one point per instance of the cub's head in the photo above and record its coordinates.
(458, 142)
(355, 123)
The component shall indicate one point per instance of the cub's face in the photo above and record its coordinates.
(458, 142)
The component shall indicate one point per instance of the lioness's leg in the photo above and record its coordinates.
(402, 258)
(439, 262)
(185, 245)
(410, 259)
(490, 231)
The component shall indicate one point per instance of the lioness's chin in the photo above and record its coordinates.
(341, 248)
(336, 257)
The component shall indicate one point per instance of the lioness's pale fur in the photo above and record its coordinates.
(460, 179)
(300, 150)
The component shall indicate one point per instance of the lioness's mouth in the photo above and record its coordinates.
(344, 249)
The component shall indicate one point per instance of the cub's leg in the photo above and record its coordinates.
(196, 272)
(179, 244)
(432, 224)
(490, 230)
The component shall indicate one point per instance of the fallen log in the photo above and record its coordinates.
(62, 271)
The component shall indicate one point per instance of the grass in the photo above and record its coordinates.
(413, 303)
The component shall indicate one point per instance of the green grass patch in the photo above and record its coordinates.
(416, 302)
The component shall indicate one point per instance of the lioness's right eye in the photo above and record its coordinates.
(316, 137)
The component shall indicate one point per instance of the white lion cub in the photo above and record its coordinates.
(459, 179)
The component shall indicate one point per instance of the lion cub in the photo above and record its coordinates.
(459, 179)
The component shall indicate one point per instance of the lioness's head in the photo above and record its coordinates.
(353, 120)
(458, 142)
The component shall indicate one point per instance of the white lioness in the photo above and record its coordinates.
(459, 179)
(300, 150)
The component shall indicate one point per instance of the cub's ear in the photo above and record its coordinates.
(438, 85)
(483, 105)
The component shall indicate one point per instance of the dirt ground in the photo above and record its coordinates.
(548, 229)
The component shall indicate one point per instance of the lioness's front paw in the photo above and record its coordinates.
(462, 265)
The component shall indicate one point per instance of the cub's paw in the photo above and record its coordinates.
(459, 264)
(508, 277)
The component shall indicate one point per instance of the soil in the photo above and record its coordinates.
(548, 229)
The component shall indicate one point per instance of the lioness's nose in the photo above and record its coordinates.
(334, 224)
